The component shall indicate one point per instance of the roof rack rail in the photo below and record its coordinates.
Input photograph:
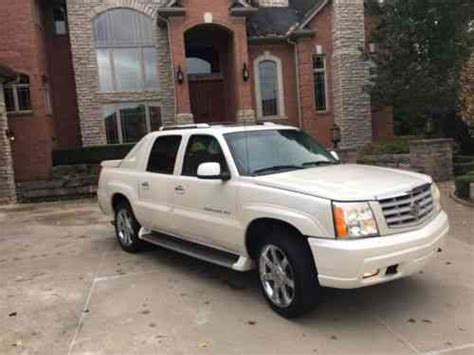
(184, 126)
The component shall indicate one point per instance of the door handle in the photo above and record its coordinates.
(145, 185)
(179, 189)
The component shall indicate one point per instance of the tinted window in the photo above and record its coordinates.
(163, 154)
(202, 149)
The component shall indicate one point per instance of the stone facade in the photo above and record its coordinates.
(90, 99)
(7, 179)
(433, 157)
(351, 73)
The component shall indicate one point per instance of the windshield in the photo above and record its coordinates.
(272, 151)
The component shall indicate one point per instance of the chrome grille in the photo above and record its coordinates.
(408, 209)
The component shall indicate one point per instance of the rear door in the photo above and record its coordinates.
(156, 184)
(205, 210)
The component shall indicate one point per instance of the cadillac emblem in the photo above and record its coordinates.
(415, 209)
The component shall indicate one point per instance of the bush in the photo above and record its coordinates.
(463, 184)
(464, 159)
(463, 168)
(397, 145)
(91, 155)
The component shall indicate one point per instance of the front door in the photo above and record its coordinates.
(207, 98)
(205, 210)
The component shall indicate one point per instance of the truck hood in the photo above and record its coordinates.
(345, 182)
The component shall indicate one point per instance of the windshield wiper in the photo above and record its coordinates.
(317, 163)
(276, 168)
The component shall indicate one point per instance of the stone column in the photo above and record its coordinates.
(7, 178)
(245, 113)
(433, 157)
(350, 73)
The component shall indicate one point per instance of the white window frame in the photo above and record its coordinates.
(325, 72)
(281, 91)
(141, 61)
(118, 120)
(14, 87)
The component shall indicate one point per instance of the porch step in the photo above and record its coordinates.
(198, 251)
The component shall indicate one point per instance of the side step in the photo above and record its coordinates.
(198, 251)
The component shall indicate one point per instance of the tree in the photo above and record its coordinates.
(422, 47)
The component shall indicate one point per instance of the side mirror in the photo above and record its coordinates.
(335, 155)
(211, 171)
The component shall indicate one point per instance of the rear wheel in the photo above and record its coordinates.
(287, 274)
(127, 228)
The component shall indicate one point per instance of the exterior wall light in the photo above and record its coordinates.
(10, 135)
(335, 135)
(245, 72)
(179, 75)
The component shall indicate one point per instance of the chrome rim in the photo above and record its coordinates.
(125, 227)
(276, 275)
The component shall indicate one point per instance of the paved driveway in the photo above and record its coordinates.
(66, 287)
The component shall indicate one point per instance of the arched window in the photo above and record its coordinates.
(269, 87)
(17, 95)
(126, 53)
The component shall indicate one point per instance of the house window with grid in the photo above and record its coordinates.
(129, 122)
(126, 52)
(269, 87)
(320, 82)
(17, 95)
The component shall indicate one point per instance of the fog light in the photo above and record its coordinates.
(371, 274)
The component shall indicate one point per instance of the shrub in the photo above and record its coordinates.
(397, 145)
(464, 159)
(91, 155)
(462, 185)
(463, 168)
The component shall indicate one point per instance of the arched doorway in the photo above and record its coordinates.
(209, 59)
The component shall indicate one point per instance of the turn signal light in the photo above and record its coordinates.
(341, 227)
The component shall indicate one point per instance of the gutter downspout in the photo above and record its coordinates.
(297, 71)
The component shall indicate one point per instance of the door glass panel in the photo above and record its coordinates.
(111, 129)
(202, 149)
(163, 155)
(155, 118)
(133, 122)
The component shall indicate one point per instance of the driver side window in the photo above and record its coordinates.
(202, 149)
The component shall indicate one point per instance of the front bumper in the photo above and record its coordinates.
(343, 263)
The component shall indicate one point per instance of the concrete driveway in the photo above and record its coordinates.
(66, 287)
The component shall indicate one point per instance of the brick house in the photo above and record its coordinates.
(96, 72)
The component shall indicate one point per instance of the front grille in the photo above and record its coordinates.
(408, 209)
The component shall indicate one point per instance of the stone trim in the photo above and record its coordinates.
(114, 4)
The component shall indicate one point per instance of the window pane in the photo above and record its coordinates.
(320, 91)
(24, 100)
(163, 154)
(202, 149)
(105, 71)
(9, 100)
(198, 66)
(133, 122)
(151, 68)
(318, 62)
(127, 69)
(269, 87)
(155, 118)
(111, 129)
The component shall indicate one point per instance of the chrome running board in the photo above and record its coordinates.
(198, 251)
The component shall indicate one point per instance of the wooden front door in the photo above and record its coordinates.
(207, 96)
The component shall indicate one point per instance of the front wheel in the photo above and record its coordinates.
(288, 276)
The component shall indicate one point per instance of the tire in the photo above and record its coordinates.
(127, 228)
(287, 274)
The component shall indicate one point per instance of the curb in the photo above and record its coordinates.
(460, 200)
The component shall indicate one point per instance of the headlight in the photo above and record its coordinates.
(436, 197)
(354, 220)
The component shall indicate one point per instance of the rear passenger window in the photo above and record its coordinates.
(163, 155)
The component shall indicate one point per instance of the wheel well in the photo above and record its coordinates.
(261, 227)
(117, 199)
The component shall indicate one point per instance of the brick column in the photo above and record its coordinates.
(7, 178)
(305, 70)
(183, 101)
(350, 73)
(245, 112)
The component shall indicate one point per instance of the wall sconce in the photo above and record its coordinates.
(335, 135)
(10, 135)
(179, 75)
(245, 73)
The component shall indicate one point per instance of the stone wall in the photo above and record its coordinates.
(7, 179)
(433, 157)
(90, 100)
(350, 73)
(397, 161)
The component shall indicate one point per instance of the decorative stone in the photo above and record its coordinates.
(184, 118)
(246, 116)
(433, 157)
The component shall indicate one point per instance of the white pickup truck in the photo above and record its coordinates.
(270, 197)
